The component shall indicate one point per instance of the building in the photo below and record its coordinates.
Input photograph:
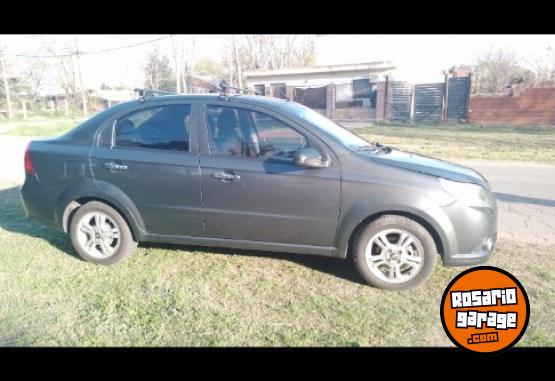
(342, 92)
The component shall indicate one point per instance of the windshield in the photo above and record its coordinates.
(343, 135)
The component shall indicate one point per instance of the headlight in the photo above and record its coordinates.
(468, 194)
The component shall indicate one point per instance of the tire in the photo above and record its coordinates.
(412, 265)
(118, 244)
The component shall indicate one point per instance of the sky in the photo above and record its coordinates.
(422, 58)
(418, 58)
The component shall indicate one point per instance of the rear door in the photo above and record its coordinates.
(149, 154)
(251, 188)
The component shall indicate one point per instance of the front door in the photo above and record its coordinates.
(148, 156)
(252, 190)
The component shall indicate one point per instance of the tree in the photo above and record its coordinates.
(499, 69)
(65, 70)
(209, 67)
(158, 73)
(35, 71)
(6, 90)
(268, 52)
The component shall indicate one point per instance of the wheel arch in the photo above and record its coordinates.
(80, 193)
(349, 234)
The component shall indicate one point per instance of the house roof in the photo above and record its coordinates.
(378, 66)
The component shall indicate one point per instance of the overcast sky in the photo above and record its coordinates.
(418, 58)
(421, 58)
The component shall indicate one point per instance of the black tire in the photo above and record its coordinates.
(429, 256)
(127, 244)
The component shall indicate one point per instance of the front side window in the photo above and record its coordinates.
(163, 127)
(341, 134)
(240, 132)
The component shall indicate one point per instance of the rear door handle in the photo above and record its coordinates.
(225, 176)
(114, 166)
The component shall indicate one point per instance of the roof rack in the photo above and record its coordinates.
(225, 86)
(146, 94)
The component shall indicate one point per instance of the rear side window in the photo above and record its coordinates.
(163, 127)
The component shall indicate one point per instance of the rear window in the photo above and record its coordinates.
(162, 127)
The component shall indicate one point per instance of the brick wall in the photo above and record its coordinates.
(355, 113)
(530, 106)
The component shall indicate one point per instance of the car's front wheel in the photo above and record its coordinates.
(394, 252)
(100, 234)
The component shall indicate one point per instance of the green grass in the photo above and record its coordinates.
(39, 126)
(462, 141)
(175, 296)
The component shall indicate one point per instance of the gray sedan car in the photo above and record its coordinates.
(261, 173)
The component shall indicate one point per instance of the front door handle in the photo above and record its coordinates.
(225, 176)
(114, 166)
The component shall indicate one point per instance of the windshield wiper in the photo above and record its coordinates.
(375, 147)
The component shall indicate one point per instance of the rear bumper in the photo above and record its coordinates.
(39, 201)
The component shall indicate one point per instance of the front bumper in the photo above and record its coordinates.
(468, 234)
(479, 255)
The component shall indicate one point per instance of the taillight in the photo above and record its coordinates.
(28, 162)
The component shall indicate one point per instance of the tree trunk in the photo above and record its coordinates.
(7, 87)
(24, 107)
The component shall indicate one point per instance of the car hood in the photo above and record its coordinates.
(429, 166)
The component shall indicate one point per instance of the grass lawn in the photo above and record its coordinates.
(39, 126)
(166, 295)
(462, 141)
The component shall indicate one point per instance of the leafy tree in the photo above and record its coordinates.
(158, 73)
(209, 67)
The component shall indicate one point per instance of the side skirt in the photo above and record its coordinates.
(241, 244)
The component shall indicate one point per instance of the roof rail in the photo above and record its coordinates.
(146, 94)
(225, 86)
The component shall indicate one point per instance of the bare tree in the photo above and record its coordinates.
(64, 63)
(269, 52)
(498, 69)
(6, 85)
(35, 71)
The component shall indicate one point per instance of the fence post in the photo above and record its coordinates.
(467, 108)
(385, 95)
(330, 101)
(412, 98)
(290, 92)
(445, 111)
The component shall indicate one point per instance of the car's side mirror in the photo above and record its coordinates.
(310, 158)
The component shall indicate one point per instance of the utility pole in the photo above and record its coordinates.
(177, 55)
(237, 63)
(191, 78)
(83, 96)
(6, 85)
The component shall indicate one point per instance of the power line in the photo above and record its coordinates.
(95, 51)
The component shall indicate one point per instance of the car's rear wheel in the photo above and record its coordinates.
(100, 234)
(394, 252)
